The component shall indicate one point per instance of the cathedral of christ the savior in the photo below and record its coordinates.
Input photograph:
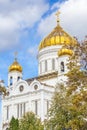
(35, 94)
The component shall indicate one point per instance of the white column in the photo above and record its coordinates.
(42, 106)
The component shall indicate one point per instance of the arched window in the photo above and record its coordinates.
(62, 66)
(11, 80)
(53, 64)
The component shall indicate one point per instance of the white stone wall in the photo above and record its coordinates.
(47, 54)
(31, 97)
(50, 82)
(14, 75)
(28, 96)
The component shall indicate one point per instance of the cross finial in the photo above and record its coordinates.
(57, 14)
(15, 55)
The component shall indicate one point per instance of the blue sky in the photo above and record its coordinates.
(20, 32)
(24, 23)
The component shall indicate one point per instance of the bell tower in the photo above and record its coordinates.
(14, 72)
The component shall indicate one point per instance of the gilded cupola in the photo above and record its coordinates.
(57, 37)
(15, 66)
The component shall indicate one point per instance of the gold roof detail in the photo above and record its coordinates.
(57, 37)
(65, 52)
(15, 66)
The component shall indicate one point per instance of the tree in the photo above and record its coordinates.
(2, 90)
(14, 124)
(30, 122)
(77, 87)
(69, 106)
(58, 113)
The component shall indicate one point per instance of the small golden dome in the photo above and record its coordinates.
(57, 37)
(65, 52)
(15, 67)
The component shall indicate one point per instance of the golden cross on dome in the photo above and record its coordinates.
(58, 20)
(15, 55)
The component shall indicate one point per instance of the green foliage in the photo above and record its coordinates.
(77, 87)
(30, 122)
(14, 124)
(59, 112)
(2, 90)
(69, 105)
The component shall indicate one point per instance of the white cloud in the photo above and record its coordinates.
(46, 25)
(16, 15)
(76, 20)
(73, 18)
(32, 51)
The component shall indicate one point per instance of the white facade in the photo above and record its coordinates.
(24, 97)
(34, 94)
(48, 59)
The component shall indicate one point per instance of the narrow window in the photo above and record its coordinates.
(7, 113)
(40, 67)
(62, 66)
(36, 107)
(20, 110)
(18, 78)
(45, 65)
(47, 106)
(17, 110)
(24, 108)
(53, 64)
(11, 80)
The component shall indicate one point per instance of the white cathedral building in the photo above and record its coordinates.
(35, 94)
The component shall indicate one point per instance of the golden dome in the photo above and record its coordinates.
(15, 67)
(65, 52)
(57, 37)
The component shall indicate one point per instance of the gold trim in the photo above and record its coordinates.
(57, 37)
(65, 52)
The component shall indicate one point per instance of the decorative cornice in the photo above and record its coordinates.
(27, 94)
(43, 77)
